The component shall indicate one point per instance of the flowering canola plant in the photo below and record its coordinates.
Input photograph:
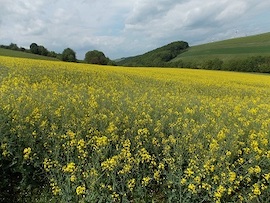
(116, 134)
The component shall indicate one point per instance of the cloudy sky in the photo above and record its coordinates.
(123, 28)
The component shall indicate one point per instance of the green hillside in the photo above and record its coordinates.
(237, 48)
(20, 54)
(245, 54)
(156, 57)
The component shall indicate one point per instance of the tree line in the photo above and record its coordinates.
(68, 54)
(260, 64)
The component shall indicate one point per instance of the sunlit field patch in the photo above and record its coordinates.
(94, 133)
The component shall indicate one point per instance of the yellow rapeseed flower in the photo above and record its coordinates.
(110, 163)
(219, 192)
(183, 181)
(80, 190)
(72, 178)
(26, 153)
(69, 168)
(145, 156)
(267, 176)
(192, 188)
(257, 169)
(256, 189)
(131, 184)
(232, 176)
(146, 180)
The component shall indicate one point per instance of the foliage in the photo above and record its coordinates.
(69, 55)
(34, 48)
(91, 133)
(12, 46)
(214, 64)
(53, 54)
(250, 64)
(157, 57)
(38, 49)
(43, 51)
(96, 57)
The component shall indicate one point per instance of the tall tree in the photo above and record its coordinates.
(42, 51)
(96, 57)
(13, 46)
(34, 48)
(69, 55)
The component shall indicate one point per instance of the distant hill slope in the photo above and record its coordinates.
(237, 48)
(20, 54)
(245, 54)
(157, 57)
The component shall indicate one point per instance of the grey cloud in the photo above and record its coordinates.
(123, 28)
(146, 10)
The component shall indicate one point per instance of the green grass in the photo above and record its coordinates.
(239, 48)
(20, 54)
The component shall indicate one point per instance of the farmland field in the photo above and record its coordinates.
(236, 48)
(20, 54)
(88, 133)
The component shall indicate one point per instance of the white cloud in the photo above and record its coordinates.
(123, 28)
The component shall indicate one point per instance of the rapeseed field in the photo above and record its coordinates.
(87, 133)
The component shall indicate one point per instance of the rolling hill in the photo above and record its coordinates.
(245, 54)
(20, 54)
(237, 48)
(156, 57)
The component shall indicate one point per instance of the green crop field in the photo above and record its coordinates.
(237, 48)
(20, 54)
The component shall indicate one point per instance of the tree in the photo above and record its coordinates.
(213, 64)
(69, 55)
(34, 48)
(96, 57)
(42, 51)
(13, 46)
(52, 54)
